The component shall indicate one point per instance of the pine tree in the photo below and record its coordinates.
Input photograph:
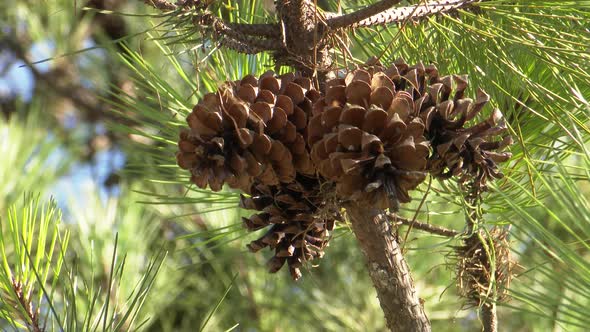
(436, 132)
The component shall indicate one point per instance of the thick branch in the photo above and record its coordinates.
(362, 14)
(222, 30)
(388, 270)
(396, 15)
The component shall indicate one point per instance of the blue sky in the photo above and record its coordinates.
(17, 80)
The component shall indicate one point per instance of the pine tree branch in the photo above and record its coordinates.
(388, 269)
(489, 317)
(256, 29)
(426, 227)
(249, 48)
(473, 220)
(416, 12)
(161, 4)
(249, 43)
(272, 30)
(347, 20)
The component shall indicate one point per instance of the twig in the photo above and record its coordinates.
(222, 30)
(243, 37)
(473, 219)
(416, 12)
(426, 227)
(355, 17)
(489, 317)
(246, 48)
(161, 4)
(417, 212)
(272, 30)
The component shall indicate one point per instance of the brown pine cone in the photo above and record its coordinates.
(366, 138)
(470, 153)
(249, 130)
(300, 223)
(281, 107)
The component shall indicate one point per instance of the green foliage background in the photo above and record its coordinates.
(162, 255)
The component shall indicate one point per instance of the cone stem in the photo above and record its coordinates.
(388, 270)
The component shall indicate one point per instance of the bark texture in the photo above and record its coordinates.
(304, 36)
(489, 318)
(416, 12)
(352, 18)
(388, 270)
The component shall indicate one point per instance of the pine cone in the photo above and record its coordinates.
(366, 138)
(282, 106)
(249, 130)
(470, 153)
(300, 223)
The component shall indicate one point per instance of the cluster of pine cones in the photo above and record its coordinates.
(373, 135)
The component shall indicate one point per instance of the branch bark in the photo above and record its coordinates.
(272, 30)
(426, 227)
(161, 4)
(420, 11)
(489, 317)
(247, 47)
(355, 17)
(388, 270)
(304, 30)
(269, 30)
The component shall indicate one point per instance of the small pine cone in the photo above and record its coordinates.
(299, 227)
(216, 147)
(249, 130)
(366, 138)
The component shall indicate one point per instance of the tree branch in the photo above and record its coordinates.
(362, 14)
(473, 220)
(272, 30)
(396, 15)
(249, 48)
(489, 317)
(161, 4)
(256, 29)
(388, 269)
(426, 227)
(223, 31)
